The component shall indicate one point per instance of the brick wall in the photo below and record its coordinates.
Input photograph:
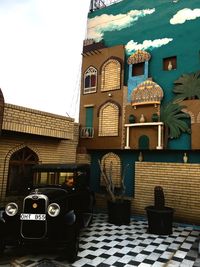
(49, 150)
(180, 183)
(109, 120)
(25, 120)
(52, 137)
(111, 74)
(181, 187)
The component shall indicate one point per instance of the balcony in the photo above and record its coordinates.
(87, 132)
(159, 125)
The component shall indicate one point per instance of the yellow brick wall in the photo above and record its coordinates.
(25, 120)
(181, 186)
(53, 138)
(111, 76)
(83, 158)
(49, 150)
(109, 120)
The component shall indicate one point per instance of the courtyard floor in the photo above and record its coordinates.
(107, 245)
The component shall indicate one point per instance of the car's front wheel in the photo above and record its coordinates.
(72, 250)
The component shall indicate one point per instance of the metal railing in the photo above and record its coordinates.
(87, 132)
(97, 4)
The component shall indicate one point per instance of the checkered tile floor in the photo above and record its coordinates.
(107, 245)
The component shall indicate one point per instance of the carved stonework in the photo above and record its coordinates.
(138, 57)
(147, 92)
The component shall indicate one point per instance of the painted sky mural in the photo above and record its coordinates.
(99, 24)
(166, 17)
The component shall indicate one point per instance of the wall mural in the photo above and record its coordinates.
(99, 24)
(168, 32)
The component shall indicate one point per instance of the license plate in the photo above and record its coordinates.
(32, 217)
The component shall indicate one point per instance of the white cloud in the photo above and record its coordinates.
(147, 44)
(185, 14)
(99, 24)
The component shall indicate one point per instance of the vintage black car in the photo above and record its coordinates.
(58, 205)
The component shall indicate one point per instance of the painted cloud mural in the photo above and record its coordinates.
(99, 24)
(185, 14)
(147, 44)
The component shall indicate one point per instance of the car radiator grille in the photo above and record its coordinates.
(31, 228)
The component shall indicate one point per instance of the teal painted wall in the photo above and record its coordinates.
(183, 40)
(130, 156)
(185, 44)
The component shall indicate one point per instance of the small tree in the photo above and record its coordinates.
(110, 188)
(172, 116)
(187, 86)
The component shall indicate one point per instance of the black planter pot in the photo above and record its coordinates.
(119, 212)
(160, 220)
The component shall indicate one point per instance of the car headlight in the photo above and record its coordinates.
(11, 209)
(53, 209)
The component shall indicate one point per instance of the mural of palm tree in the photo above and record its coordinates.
(172, 116)
(187, 86)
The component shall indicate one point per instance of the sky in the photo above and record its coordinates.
(40, 53)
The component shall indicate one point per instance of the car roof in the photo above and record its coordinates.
(61, 167)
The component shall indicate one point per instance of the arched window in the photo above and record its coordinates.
(111, 164)
(19, 174)
(111, 75)
(109, 120)
(90, 80)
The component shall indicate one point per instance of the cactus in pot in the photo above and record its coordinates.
(160, 217)
(159, 197)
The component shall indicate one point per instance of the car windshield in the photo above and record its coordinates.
(50, 177)
(71, 175)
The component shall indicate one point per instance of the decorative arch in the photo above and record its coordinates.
(111, 164)
(198, 117)
(109, 119)
(147, 92)
(138, 57)
(90, 80)
(191, 114)
(20, 170)
(106, 102)
(111, 75)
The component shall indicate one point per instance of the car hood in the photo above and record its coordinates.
(57, 195)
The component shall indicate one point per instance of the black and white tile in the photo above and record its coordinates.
(107, 245)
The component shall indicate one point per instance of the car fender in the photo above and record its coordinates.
(70, 217)
(1, 216)
(2, 224)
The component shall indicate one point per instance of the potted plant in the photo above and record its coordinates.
(118, 205)
(160, 218)
(155, 117)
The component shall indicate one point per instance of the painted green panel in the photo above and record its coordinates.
(89, 116)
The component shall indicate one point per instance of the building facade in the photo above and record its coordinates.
(29, 137)
(140, 97)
